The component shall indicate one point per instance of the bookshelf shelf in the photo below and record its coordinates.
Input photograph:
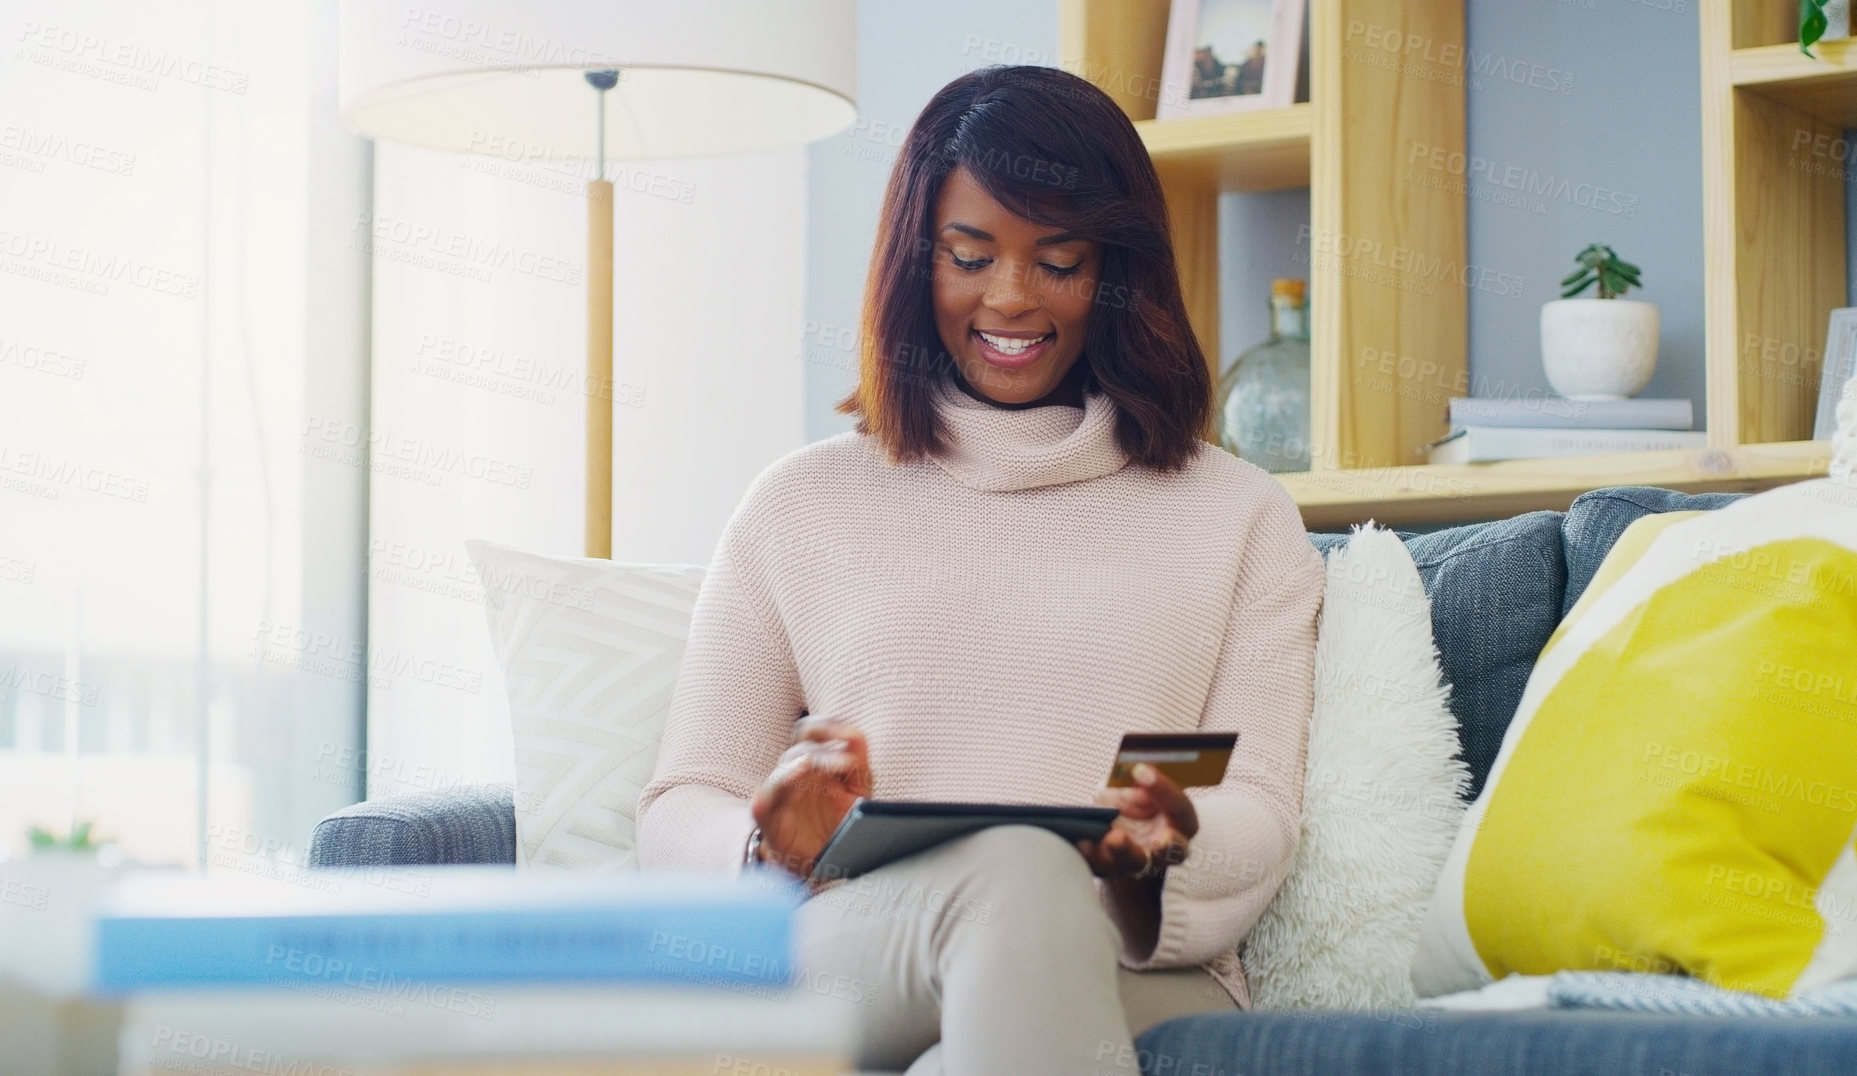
(1825, 88)
(1773, 213)
(1402, 496)
(1246, 151)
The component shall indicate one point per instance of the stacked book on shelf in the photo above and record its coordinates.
(1485, 430)
(457, 970)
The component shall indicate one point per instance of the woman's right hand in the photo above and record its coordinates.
(818, 779)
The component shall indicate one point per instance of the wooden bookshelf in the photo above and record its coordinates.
(1774, 172)
(1385, 246)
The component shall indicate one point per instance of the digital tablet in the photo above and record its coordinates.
(874, 832)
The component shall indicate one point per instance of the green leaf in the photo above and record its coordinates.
(41, 837)
(1600, 264)
(1812, 24)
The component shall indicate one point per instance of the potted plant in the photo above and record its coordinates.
(46, 920)
(79, 842)
(1603, 348)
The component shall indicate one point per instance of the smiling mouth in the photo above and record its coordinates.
(1011, 345)
(1011, 350)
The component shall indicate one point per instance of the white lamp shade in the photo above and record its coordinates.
(505, 78)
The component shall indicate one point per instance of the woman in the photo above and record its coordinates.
(1024, 550)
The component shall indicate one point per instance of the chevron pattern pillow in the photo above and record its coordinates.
(590, 650)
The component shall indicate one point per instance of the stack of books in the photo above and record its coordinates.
(1484, 430)
(458, 970)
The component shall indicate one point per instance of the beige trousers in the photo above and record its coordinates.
(990, 954)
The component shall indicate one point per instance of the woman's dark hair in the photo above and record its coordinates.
(1054, 149)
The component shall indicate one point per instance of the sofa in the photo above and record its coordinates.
(1498, 589)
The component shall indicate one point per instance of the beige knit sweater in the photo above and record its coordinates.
(994, 619)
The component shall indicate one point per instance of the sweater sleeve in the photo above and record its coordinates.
(1263, 687)
(731, 716)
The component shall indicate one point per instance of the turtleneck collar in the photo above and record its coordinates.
(996, 448)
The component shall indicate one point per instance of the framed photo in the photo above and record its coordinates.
(1837, 370)
(1229, 56)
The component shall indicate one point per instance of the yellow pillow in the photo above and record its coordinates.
(1678, 790)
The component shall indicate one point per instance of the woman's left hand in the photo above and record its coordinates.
(1154, 830)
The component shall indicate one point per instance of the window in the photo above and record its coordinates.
(182, 587)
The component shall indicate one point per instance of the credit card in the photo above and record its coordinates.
(1190, 759)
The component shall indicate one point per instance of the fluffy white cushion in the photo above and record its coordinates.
(1844, 438)
(1381, 802)
(590, 650)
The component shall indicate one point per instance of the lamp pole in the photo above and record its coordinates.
(600, 338)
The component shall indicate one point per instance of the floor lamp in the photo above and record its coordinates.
(592, 80)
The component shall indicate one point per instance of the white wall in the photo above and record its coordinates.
(709, 290)
(906, 52)
(477, 432)
(710, 294)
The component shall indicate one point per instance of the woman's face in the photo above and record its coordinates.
(1012, 297)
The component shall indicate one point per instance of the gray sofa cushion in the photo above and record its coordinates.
(1595, 520)
(1529, 1043)
(468, 824)
(1496, 592)
(1495, 598)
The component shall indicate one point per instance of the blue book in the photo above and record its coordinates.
(394, 931)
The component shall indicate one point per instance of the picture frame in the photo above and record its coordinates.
(1208, 70)
(1837, 368)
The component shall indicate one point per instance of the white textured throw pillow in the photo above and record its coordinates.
(590, 650)
(1844, 438)
(1381, 802)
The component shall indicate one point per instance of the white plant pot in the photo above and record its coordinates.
(46, 924)
(1598, 349)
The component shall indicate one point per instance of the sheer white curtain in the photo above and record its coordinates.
(479, 412)
(178, 582)
(209, 545)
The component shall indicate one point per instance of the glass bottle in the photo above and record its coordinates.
(1263, 396)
